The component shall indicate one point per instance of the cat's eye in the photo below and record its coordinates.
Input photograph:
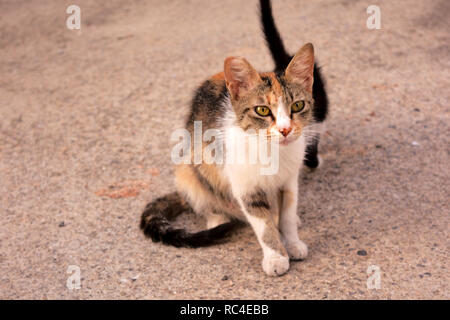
(298, 106)
(262, 111)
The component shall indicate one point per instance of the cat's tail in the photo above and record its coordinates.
(273, 39)
(155, 223)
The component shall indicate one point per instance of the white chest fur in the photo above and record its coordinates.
(252, 166)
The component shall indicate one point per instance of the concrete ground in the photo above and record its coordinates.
(86, 119)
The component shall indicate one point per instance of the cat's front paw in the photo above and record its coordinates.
(275, 264)
(297, 250)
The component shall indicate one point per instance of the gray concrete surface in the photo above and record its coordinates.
(86, 118)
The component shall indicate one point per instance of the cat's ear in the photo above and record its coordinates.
(240, 76)
(301, 68)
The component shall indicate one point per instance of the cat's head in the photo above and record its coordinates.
(280, 104)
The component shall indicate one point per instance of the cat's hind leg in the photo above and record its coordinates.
(312, 158)
(206, 199)
(215, 218)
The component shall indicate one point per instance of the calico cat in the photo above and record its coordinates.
(285, 106)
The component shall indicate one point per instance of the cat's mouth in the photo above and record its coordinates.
(284, 141)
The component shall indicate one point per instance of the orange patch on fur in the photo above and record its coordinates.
(276, 91)
(218, 76)
(185, 176)
(288, 197)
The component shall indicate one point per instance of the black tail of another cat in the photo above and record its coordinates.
(282, 59)
(273, 39)
(155, 223)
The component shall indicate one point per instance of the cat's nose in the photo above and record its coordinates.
(285, 131)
